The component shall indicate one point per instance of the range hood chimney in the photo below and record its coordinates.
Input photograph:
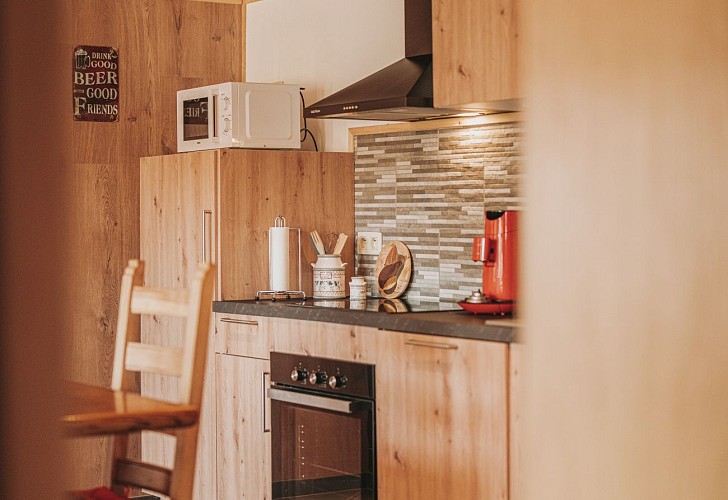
(401, 91)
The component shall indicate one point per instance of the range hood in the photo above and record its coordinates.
(401, 91)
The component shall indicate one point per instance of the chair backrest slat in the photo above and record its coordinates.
(162, 301)
(152, 358)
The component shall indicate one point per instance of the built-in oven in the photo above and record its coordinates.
(323, 442)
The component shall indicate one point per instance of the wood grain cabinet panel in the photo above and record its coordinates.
(243, 192)
(326, 340)
(243, 412)
(243, 431)
(441, 418)
(475, 54)
(442, 407)
(243, 335)
(217, 205)
(177, 201)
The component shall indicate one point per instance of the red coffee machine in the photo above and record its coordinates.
(498, 251)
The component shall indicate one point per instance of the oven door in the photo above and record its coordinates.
(321, 446)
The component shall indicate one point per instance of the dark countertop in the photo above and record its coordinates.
(456, 323)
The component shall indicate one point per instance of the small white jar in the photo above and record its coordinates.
(357, 288)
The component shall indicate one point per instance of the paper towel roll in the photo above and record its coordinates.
(278, 255)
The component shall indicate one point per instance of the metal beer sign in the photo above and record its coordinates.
(95, 84)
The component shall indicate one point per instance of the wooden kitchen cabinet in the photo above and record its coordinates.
(177, 201)
(443, 424)
(243, 413)
(243, 428)
(217, 205)
(222, 202)
(442, 417)
(242, 367)
(475, 52)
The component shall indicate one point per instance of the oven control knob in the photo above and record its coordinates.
(336, 381)
(299, 375)
(317, 378)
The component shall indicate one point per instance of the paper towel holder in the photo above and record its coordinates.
(280, 222)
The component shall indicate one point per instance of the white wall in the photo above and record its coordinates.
(323, 45)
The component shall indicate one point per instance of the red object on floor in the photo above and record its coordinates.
(101, 493)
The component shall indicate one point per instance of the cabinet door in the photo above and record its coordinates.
(441, 418)
(475, 54)
(177, 231)
(177, 215)
(243, 428)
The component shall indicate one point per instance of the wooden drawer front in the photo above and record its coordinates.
(325, 340)
(243, 335)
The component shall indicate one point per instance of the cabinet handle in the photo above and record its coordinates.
(263, 400)
(205, 235)
(239, 321)
(435, 345)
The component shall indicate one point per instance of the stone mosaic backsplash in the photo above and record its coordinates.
(430, 189)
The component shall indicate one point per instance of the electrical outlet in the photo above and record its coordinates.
(368, 243)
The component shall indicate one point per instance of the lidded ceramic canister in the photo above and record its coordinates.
(358, 288)
(329, 277)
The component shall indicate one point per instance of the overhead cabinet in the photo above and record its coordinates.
(475, 51)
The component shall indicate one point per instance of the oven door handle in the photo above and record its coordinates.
(310, 400)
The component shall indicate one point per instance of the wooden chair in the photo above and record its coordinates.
(186, 362)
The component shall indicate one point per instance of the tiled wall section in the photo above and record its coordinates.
(430, 189)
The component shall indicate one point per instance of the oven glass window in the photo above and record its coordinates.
(320, 454)
(194, 119)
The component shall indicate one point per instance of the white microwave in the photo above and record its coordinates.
(238, 115)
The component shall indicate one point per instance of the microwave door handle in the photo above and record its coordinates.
(213, 127)
(310, 400)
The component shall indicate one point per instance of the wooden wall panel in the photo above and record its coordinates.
(311, 190)
(164, 45)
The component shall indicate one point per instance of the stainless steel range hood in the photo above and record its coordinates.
(399, 92)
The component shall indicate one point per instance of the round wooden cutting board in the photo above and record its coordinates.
(393, 269)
